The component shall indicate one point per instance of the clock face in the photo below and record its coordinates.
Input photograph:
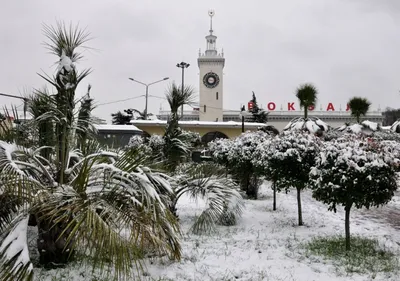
(211, 80)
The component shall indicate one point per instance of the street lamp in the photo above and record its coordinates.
(147, 91)
(182, 65)
(243, 113)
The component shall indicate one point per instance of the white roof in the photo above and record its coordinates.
(117, 128)
(229, 124)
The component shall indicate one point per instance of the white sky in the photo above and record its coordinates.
(345, 47)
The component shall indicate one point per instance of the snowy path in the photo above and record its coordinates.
(265, 245)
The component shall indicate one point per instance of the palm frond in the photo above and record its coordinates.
(68, 39)
(15, 262)
(359, 106)
(210, 182)
(307, 95)
(176, 98)
(118, 214)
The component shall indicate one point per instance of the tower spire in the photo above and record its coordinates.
(211, 13)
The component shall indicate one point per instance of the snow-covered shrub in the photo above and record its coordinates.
(156, 142)
(135, 141)
(192, 138)
(289, 159)
(311, 124)
(219, 150)
(237, 156)
(353, 171)
(386, 135)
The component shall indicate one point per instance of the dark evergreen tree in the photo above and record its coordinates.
(120, 118)
(258, 115)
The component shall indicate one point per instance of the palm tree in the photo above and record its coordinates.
(175, 149)
(358, 106)
(307, 95)
(106, 203)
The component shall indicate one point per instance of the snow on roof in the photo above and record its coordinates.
(117, 128)
(229, 124)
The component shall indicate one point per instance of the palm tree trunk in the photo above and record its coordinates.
(54, 250)
(299, 207)
(305, 112)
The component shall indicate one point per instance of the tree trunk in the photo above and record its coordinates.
(347, 226)
(52, 244)
(299, 206)
(274, 204)
(305, 112)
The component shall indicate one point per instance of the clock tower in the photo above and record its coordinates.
(211, 65)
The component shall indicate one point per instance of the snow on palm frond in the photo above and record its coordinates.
(15, 263)
(310, 124)
(117, 209)
(395, 126)
(211, 183)
(366, 127)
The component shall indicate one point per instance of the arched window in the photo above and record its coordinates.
(210, 136)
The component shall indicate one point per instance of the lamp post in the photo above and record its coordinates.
(182, 65)
(243, 113)
(147, 91)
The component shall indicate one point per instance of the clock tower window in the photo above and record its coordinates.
(205, 108)
(216, 95)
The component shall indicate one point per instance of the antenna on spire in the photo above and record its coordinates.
(211, 13)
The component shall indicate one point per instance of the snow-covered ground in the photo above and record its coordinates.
(265, 244)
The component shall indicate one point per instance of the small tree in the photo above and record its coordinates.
(258, 115)
(291, 156)
(307, 95)
(237, 156)
(358, 106)
(353, 171)
(262, 156)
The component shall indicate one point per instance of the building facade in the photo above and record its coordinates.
(279, 119)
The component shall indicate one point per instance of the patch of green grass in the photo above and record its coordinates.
(365, 256)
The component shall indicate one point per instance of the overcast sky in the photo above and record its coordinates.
(345, 47)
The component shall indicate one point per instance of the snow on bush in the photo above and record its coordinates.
(288, 159)
(353, 171)
(237, 156)
(150, 147)
(135, 141)
(192, 138)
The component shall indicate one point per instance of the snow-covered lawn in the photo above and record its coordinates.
(265, 244)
